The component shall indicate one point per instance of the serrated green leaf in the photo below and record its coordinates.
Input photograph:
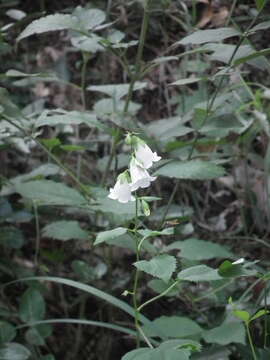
(48, 192)
(212, 35)
(161, 266)
(176, 327)
(64, 230)
(225, 334)
(193, 169)
(166, 129)
(199, 273)
(50, 23)
(116, 91)
(53, 118)
(14, 351)
(109, 235)
(194, 249)
(32, 306)
(89, 18)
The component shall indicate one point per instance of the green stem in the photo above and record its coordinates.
(86, 57)
(165, 292)
(138, 63)
(37, 247)
(251, 342)
(136, 280)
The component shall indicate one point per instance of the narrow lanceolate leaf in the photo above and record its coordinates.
(48, 192)
(186, 81)
(254, 55)
(193, 169)
(64, 230)
(50, 23)
(213, 35)
(161, 266)
(105, 236)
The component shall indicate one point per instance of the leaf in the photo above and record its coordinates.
(186, 81)
(116, 91)
(225, 334)
(14, 351)
(230, 270)
(166, 129)
(242, 315)
(7, 332)
(54, 118)
(11, 237)
(213, 35)
(260, 4)
(174, 327)
(64, 230)
(161, 266)
(109, 235)
(259, 314)
(193, 169)
(32, 306)
(95, 292)
(225, 53)
(168, 350)
(254, 55)
(199, 273)
(48, 192)
(50, 23)
(262, 26)
(194, 249)
(138, 354)
(89, 18)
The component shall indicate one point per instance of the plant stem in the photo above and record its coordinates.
(86, 57)
(138, 63)
(209, 109)
(251, 342)
(165, 292)
(136, 280)
(37, 234)
(51, 156)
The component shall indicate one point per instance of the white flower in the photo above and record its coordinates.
(145, 155)
(122, 189)
(140, 177)
(239, 261)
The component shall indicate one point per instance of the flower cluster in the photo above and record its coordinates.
(137, 176)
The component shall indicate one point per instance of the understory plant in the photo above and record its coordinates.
(126, 211)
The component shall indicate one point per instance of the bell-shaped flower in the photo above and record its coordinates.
(145, 155)
(122, 189)
(140, 177)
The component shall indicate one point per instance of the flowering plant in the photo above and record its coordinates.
(137, 176)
